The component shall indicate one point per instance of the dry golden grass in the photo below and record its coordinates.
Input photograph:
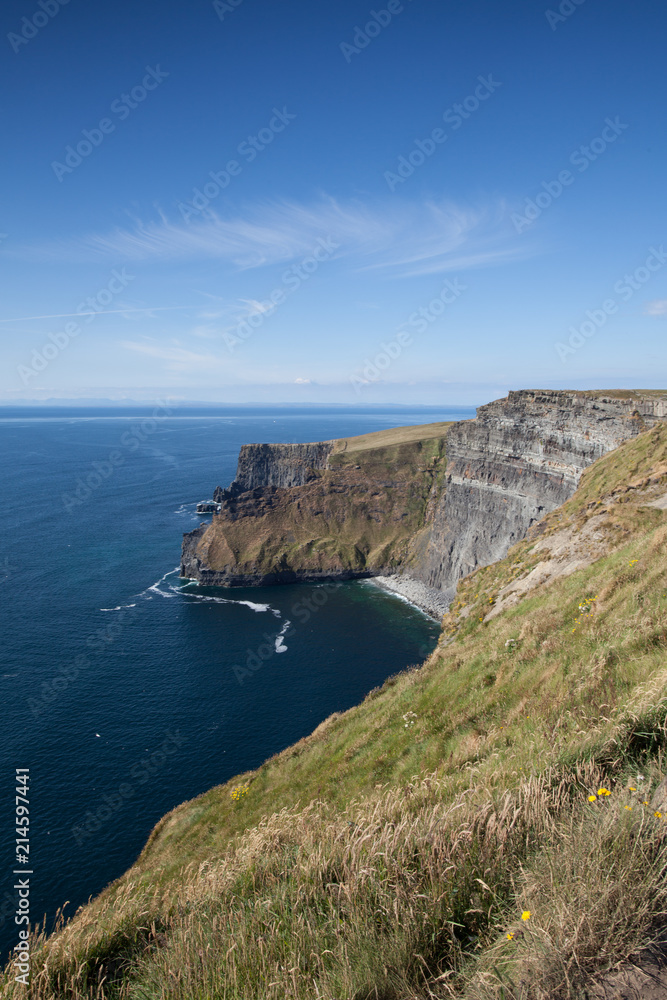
(392, 437)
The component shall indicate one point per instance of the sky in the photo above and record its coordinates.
(419, 201)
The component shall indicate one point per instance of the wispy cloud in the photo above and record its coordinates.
(148, 310)
(176, 358)
(398, 237)
(447, 237)
(656, 308)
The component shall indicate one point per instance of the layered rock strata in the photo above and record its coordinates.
(518, 460)
(283, 465)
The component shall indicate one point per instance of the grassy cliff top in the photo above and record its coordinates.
(392, 437)
(624, 393)
(596, 393)
(481, 827)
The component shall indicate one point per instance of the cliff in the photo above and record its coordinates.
(284, 465)
(518, 460)
(347, 508)
(384, 503)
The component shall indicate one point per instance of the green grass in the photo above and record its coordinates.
(389, 854)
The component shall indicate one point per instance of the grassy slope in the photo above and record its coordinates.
(390, 853)
(359, 515)
(392, 437)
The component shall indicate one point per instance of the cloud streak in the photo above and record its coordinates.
(400, 238)
(99, 312)
(176, 358)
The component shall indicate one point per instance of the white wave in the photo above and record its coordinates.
(119, 608)
(188, 508)
(155, 588)
(182, 590)
(259, 607)
(279, 644)
(226, 600)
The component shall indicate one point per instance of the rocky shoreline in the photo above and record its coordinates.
(433, 602)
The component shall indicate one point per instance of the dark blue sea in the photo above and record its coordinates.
(126, 692)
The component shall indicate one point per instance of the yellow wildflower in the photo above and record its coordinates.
(239, 791)
(628, 807)
(525, 915)
(603, 791)
(510, 935)
(592, 798)
(658, 814)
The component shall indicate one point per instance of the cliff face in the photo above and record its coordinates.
(518, 460)
(347, 508)
(284, 465)
(382, 503)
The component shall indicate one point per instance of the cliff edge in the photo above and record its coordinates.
(388, 503)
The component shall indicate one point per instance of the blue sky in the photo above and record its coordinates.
(419, 201)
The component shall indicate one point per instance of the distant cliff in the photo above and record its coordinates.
(347, 508)
(387, 503)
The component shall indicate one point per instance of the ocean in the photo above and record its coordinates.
(126, 691)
